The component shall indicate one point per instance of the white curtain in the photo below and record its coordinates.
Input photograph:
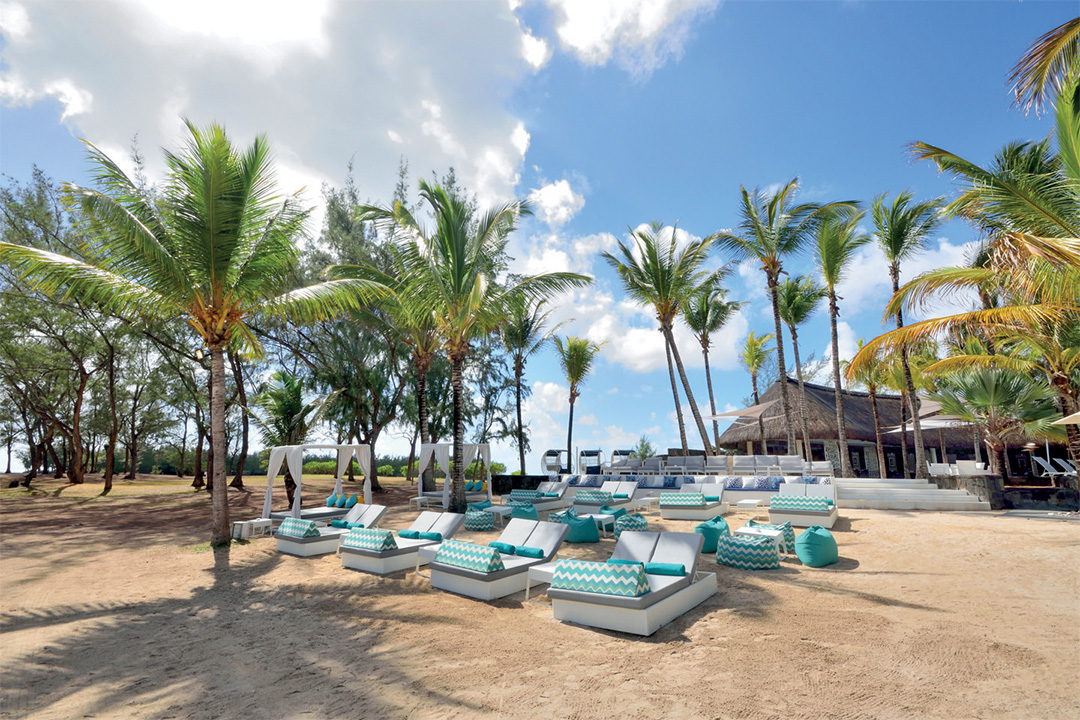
(296, 469)
(363, 458)
(273, 467)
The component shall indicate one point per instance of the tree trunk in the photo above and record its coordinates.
(904, 468)
(518, 373)
(789, 425)
(686, 388)
(197, 480)
(921, 470)
(841, 427)
(570, 435)
(712, 399)
(427, 479)
(76, 469)
(241, 396)
(877, 434)
(58, 465)
(183, 450)
(457, 482)
(760, 422)
(804, 414)
(219, 535)
(290, 486)
(675, 394)
(114, 424)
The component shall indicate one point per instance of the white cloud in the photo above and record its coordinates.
(535, 51)
(641, 35)
(847, 343)
(589, 419)
(550, 397)
(556, 203)
(14, 22)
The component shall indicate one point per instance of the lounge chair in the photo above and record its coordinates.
(821, 468)
(612, 493)
(306, 538)
(652, 466)
(1066, 466)
(690, 465)
(626, 597)
(716, 465)
(792, 465)
(693, 502)
(547, 503)
(742, 465)
(1047, 470)
(802, 511)
(382, 557)
(485, 573)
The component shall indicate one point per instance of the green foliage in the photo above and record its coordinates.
(644, 448)
(385, 470)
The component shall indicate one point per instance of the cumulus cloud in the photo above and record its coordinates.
(846, 341)
(556, 203)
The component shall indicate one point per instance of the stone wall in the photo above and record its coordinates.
(1009, 497)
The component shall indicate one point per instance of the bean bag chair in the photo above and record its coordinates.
(816, 547)
(478, 520)
(753, 552)
(582, 530)
(633, 523)
(617, 512)
(525, 512)
(560, 517)
(712, 530)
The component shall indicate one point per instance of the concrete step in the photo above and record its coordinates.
(895, 494)
(910, 504)
(887, 484)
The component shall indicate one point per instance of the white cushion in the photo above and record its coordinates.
(749, 482)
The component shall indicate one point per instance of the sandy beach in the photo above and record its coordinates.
(116, 608)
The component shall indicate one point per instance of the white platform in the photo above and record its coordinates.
(705, 512)
(479, 589)
(901, 494)
(637, 622)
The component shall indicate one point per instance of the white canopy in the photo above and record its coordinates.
(1073, 419)
(294, 456)
(753, 411)
(441, 453)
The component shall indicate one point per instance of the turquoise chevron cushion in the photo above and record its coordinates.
(409, 534)
(560, 517)
(529, 552)
(617, 512)
(480, 505)
(605, 578)
(582, 530)
(524, 496)
(352, 500)
(374, 539)
(634, 522)
(295, 527)
(681, 499)
(331, 501)
(747, 552)
(799, 503)
(616, 561)
(593, 496)
(478, 520)
(525, 512)
(816, 547)
(502, 547)
(712, 530)
(470, 556)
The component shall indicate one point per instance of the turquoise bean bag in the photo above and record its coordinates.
(816, 547)
(617, 512)
(712, 530)
(582, 530)
(631, 523)
(525, 512)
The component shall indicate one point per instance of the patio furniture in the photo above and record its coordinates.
(370, 552)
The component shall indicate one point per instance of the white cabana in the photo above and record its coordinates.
(294, 456)
(1073, 419)
(441, 453)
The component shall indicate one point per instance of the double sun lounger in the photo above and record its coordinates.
(693, 502)
(380, 555)
(306, 539)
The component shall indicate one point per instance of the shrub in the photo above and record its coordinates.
(318, 467)
(386, 470)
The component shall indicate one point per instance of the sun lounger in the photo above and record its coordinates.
(693, 502)
(802, 511)
(485, 573)
(376, 555)
(1047, 469)
(821, 468)
(306, 538)
(628, 598)
(613, 494)
(548, 503)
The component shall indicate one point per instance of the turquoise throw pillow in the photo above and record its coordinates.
(351, 501)
(620, 496)
(613, 561)
(502, 547)
(677, 569)
(480, 506)
(341, 500)
(712, 498)
(617, 512)
(339, 524)
(353, 526)
(530, 552)
(551, 495)
(331, 501)
(410, 534)
(437, 537)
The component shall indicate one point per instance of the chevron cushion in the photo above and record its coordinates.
(712, 529)
(787, 541)
(523, 497)
(370, 539)
(295, 527)
(625, 580)
(560, 517)
(478, 520)
(681, 500)
(525, 511)
(633, 522)
(747, 552)
(593, 496)
(470, 556)
(799, 503)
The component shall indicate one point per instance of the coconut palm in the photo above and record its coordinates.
(773, 228)
(798, 297)
(1043, 71)
(705, 312)
(755, 354)
(450, 268)
(523, 335)
(902, 229)
(576, 357)
(213, 249)
(658, 273)
(285, 418)
(874, 376)
(838, 239)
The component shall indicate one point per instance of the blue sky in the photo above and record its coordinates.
(605, 114)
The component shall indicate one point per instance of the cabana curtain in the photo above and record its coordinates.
(293, 455)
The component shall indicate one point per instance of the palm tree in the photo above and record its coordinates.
(213, 249)
(1044, 69)
(523, 336)
(798, 298)
(286, 418)
(874, 376)
(705, 312)
(576, 357)
(451, 267)
(662, 275)
(837, 241)
(773, 228)
(755, 354)
(902, 230)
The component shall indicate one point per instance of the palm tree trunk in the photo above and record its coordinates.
(114, 424)
(427, 478)
(457, 483)
(686, 388)
(904, 469)
(804, 413)
(712, 399)
(675, 394)
(841, 427)
(570, 435)
(760, 422)
(241, 396)
(877, 434)
(219, 534)
(921, 470)
(518, 373)
(789, 426)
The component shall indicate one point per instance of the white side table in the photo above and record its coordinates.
(775, 535)
(500, 511)
(260, 527)
(419, 502)
(539, 574)
(602, 521)
(748, 504)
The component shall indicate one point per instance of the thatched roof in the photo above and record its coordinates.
(821, 409)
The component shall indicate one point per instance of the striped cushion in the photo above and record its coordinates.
(478, 520)
(787, 542)
(747, 553)
(681, 500)
(799, 503)
(593, 496)
(558, 517)
(523, 497)
(295, 527)
(370, 539)
(625, 580)
(470, 556)
(635, 522)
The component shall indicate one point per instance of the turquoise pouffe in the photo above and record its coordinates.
(525, 512)
(617, 512)
(582, 530)
(478, 520)
(816, 547)
(747, 552)
(787, 541)
(712, 530)
(635, 522)
(561, 517)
